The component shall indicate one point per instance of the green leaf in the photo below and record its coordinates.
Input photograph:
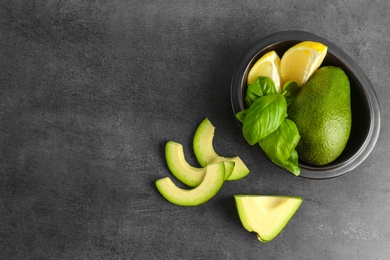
(262, 86)
(263, 117)
(290, 90)
(280, 146)
(241, 115)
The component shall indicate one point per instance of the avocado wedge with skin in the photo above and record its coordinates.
(266, 215)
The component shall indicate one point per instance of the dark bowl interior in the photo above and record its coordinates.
(364, 102)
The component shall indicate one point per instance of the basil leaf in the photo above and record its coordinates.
(263, 117)
(290, 90)
(280, 146)
(262, 86)
(241, 115)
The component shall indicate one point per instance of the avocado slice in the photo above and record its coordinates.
(266, 215)
(183, 171)
(239, 171)
(205, 153)
(208, 188)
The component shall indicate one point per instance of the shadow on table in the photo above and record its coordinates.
(227, 206)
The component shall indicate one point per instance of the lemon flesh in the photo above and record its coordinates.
(300, 61)
(268, 66)
(266, 215)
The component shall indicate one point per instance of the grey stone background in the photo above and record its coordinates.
(90, 91)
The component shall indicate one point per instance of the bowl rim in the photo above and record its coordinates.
(270, 40)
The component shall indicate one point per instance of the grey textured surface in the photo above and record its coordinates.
(90, 91)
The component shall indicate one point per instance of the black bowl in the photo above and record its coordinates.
(364, 102)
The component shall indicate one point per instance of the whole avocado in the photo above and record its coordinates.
(322, 113)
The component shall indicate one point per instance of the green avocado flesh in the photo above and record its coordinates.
(322, 113)
(180, 168)
(266, 215)
(208, 188)
(205, 153)
(183, 171)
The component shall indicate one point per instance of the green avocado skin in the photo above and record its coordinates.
(322, 113)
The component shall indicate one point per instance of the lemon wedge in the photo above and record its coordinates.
(300, 61)
(268, 66)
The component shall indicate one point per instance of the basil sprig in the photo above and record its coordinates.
(265, 122)
(262, 86)
(280, 146)
(290, 90)
(263, 117)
